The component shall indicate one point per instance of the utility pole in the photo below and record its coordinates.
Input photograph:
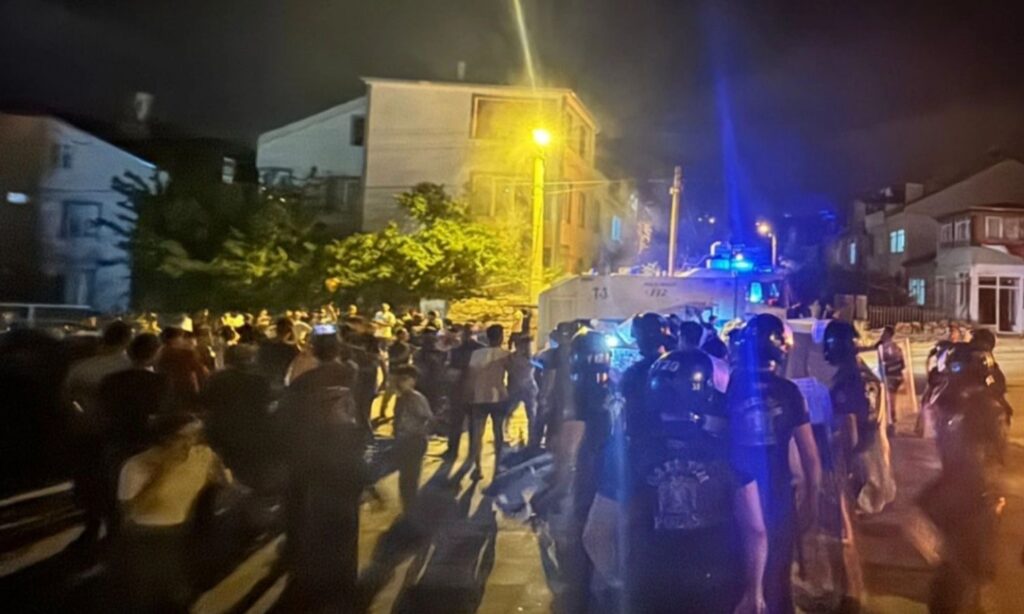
(537, 235)
(673, 225)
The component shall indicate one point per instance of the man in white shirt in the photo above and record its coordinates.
(488, 396)
(158, 490)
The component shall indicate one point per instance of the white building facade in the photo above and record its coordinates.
(959, 249)
(60, 215)
(473, 139)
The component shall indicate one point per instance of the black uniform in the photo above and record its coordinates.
(764, 411)
(677, 486)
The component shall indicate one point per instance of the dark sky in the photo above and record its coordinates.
(823, 99)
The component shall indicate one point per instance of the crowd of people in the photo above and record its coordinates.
(673, 488)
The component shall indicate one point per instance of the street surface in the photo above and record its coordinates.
(483, 560)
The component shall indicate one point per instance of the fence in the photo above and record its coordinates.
(879, 316)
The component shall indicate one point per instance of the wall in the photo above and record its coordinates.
(322, 140)
(91, 164)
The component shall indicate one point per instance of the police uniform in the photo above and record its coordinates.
(677, 485)
(764, 412)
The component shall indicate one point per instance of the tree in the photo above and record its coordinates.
(445, 256)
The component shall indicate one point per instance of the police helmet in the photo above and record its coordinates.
(651, 331)
(682, 397)
(969, 365)
(590, 356)
(840, 342)
(983, 339)
(764, 337)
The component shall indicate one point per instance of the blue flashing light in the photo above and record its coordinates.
(612, 341)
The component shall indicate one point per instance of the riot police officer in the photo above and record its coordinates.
(585, 431)
(766, 412)
(653, 337)
(682, 501)
(964, 502)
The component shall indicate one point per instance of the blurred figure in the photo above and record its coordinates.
(384, 322)
(890, 357)
(965, 502)
(276, 355)
(399, 355)
(413, 419)
(236, 405)
(984, 341)
(128, 398)
(434, 321)
(158, 490)
(82, 390)
(522, 386)
(488, 396)
(325, 438)
(651, 333)
(185, 374)
(432, 363)
(458, 380)
(206, 347)
(767, 412)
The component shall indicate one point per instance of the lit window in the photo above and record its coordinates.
(897, 241)
(916, 289)
(852, 255)
(228, 167)
(17, 198)
(81, 220)
(993, 227)
(357, 131)
(616, 228)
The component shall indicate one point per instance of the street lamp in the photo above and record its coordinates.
(542, 138)
(765, 230)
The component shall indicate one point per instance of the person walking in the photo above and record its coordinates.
(325, 436)
(399, 355)
(458, 379)
(522, 387)
(767, 412)
(890, 357)
(413, 419)
(488, 396)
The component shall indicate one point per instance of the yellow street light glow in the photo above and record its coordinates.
(764, 228)
(541, 137)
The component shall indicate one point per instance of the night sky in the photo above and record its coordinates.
(788, 106)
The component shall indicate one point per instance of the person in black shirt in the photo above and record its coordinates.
(127, 398)
(695, 537)
(651, 333)
(236, 402)
(275, 356)
(458, 366)
(767, 412)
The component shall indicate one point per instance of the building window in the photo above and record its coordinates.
(897, 241)
(357, 131)
(852, 253)
(581, 210)
(81, 220)
(228, 167)
(509, 118)
(993, 227)
(946, 235)
(916, 289)
(547, 256)
(962, 230)
(616, 228)
(60, 155)
(570, 202)
(963, 290)
(1011, 228)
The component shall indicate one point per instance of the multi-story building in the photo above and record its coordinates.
(959, 248)
(58, 214)
(474, 139)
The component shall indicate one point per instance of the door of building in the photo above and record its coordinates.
(1007, 304)
(998, 302)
